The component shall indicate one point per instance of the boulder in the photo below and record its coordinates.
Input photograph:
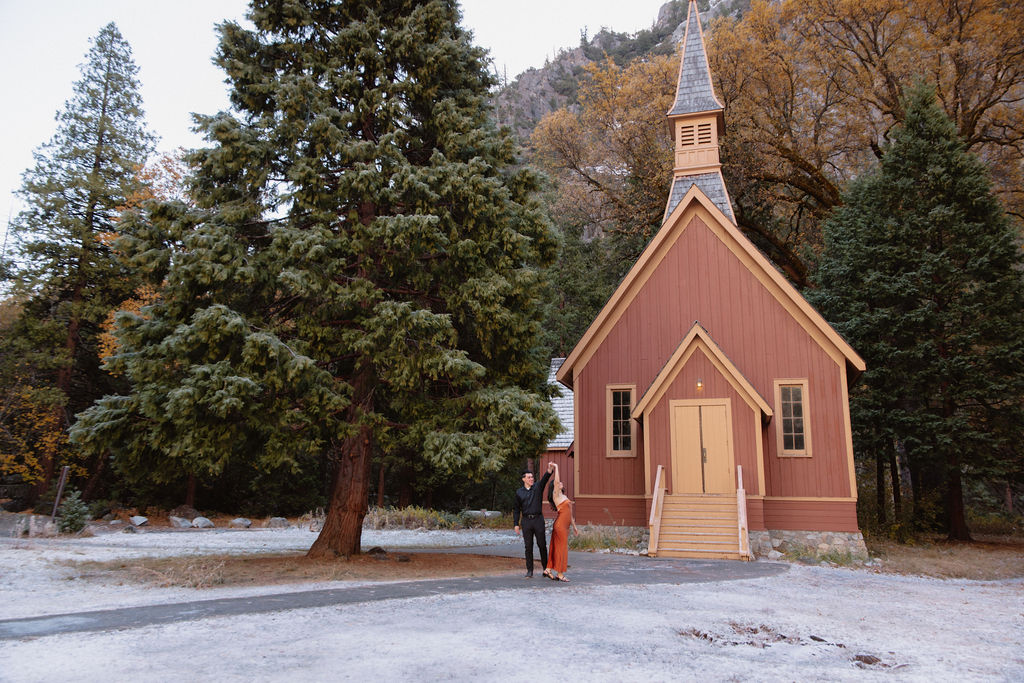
(180, 522)
(241, 523)
(138, 520)
(17, 525)
(277, 523)
(482, 514)
(186, 511)
(202, 523)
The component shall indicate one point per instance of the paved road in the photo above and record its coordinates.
(585, 569)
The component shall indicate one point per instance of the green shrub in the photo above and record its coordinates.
(999, 523)
(74, 513)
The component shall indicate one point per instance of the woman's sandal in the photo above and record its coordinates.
(547, 573)
(560, 578)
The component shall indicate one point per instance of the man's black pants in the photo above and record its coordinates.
(534, 526)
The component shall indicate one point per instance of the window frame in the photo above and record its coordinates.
(609, 393)
(780, 451)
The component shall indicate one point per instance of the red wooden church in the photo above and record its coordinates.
(710, 399)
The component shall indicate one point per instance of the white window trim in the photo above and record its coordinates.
(803, 383)
(609, 453)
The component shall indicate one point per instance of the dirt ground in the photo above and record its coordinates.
(986, 558)
(229, 570)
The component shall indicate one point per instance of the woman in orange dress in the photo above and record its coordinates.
(558, 553)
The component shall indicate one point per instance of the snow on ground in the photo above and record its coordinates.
(35, 578)
(807, 623)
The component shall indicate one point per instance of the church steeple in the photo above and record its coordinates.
(697, 120)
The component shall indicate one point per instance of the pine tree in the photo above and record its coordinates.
(362, 275)
(922, 274)
(68, 274)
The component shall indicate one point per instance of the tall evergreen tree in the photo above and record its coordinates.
(922, 274)
(362, 276)
(68, 274)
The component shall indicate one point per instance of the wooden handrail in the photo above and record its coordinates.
(656, 504)
(741, 516)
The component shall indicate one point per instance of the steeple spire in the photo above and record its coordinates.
(695, 92)
(697, 119)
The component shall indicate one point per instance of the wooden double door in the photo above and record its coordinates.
(702, 457)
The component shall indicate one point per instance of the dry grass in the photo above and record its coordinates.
(210, 571)
(593, 537)
(987, 558)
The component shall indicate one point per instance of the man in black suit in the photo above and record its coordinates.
(528, 503)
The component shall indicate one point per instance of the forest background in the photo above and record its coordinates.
(813, 92)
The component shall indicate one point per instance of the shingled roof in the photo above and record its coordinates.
(695, 92)
(710, 184)
(562, 403)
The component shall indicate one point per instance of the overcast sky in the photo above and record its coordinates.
(42, 43)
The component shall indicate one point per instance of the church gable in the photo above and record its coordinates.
(699, 267)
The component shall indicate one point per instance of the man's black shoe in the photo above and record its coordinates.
(529, 575)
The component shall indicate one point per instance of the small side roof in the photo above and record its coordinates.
(563, 405)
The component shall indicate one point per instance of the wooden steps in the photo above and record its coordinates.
(699, 526)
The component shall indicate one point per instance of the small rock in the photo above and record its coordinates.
(277, 523)
(241, 523)
(376, 550)
(138, 520)
(130, 530)
(115, 522)
(180, 522)
(870, 660)
(202, 523)
(403, 558)
(774, 555)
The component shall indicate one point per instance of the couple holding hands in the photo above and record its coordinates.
(528, 505)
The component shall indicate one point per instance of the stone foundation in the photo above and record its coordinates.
(775, 543)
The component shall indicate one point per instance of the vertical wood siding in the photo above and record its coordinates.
(611, 511)
(565, 470)
(700, 279)
(811, 515)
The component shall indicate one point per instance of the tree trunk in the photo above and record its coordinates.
(897, 487)
(1008, 498)
(190, 491)
(94, 481)
(380, 486)
(958, 530)
(880, 488)
(343, 526)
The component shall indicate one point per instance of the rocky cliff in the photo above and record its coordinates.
(536, 92)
